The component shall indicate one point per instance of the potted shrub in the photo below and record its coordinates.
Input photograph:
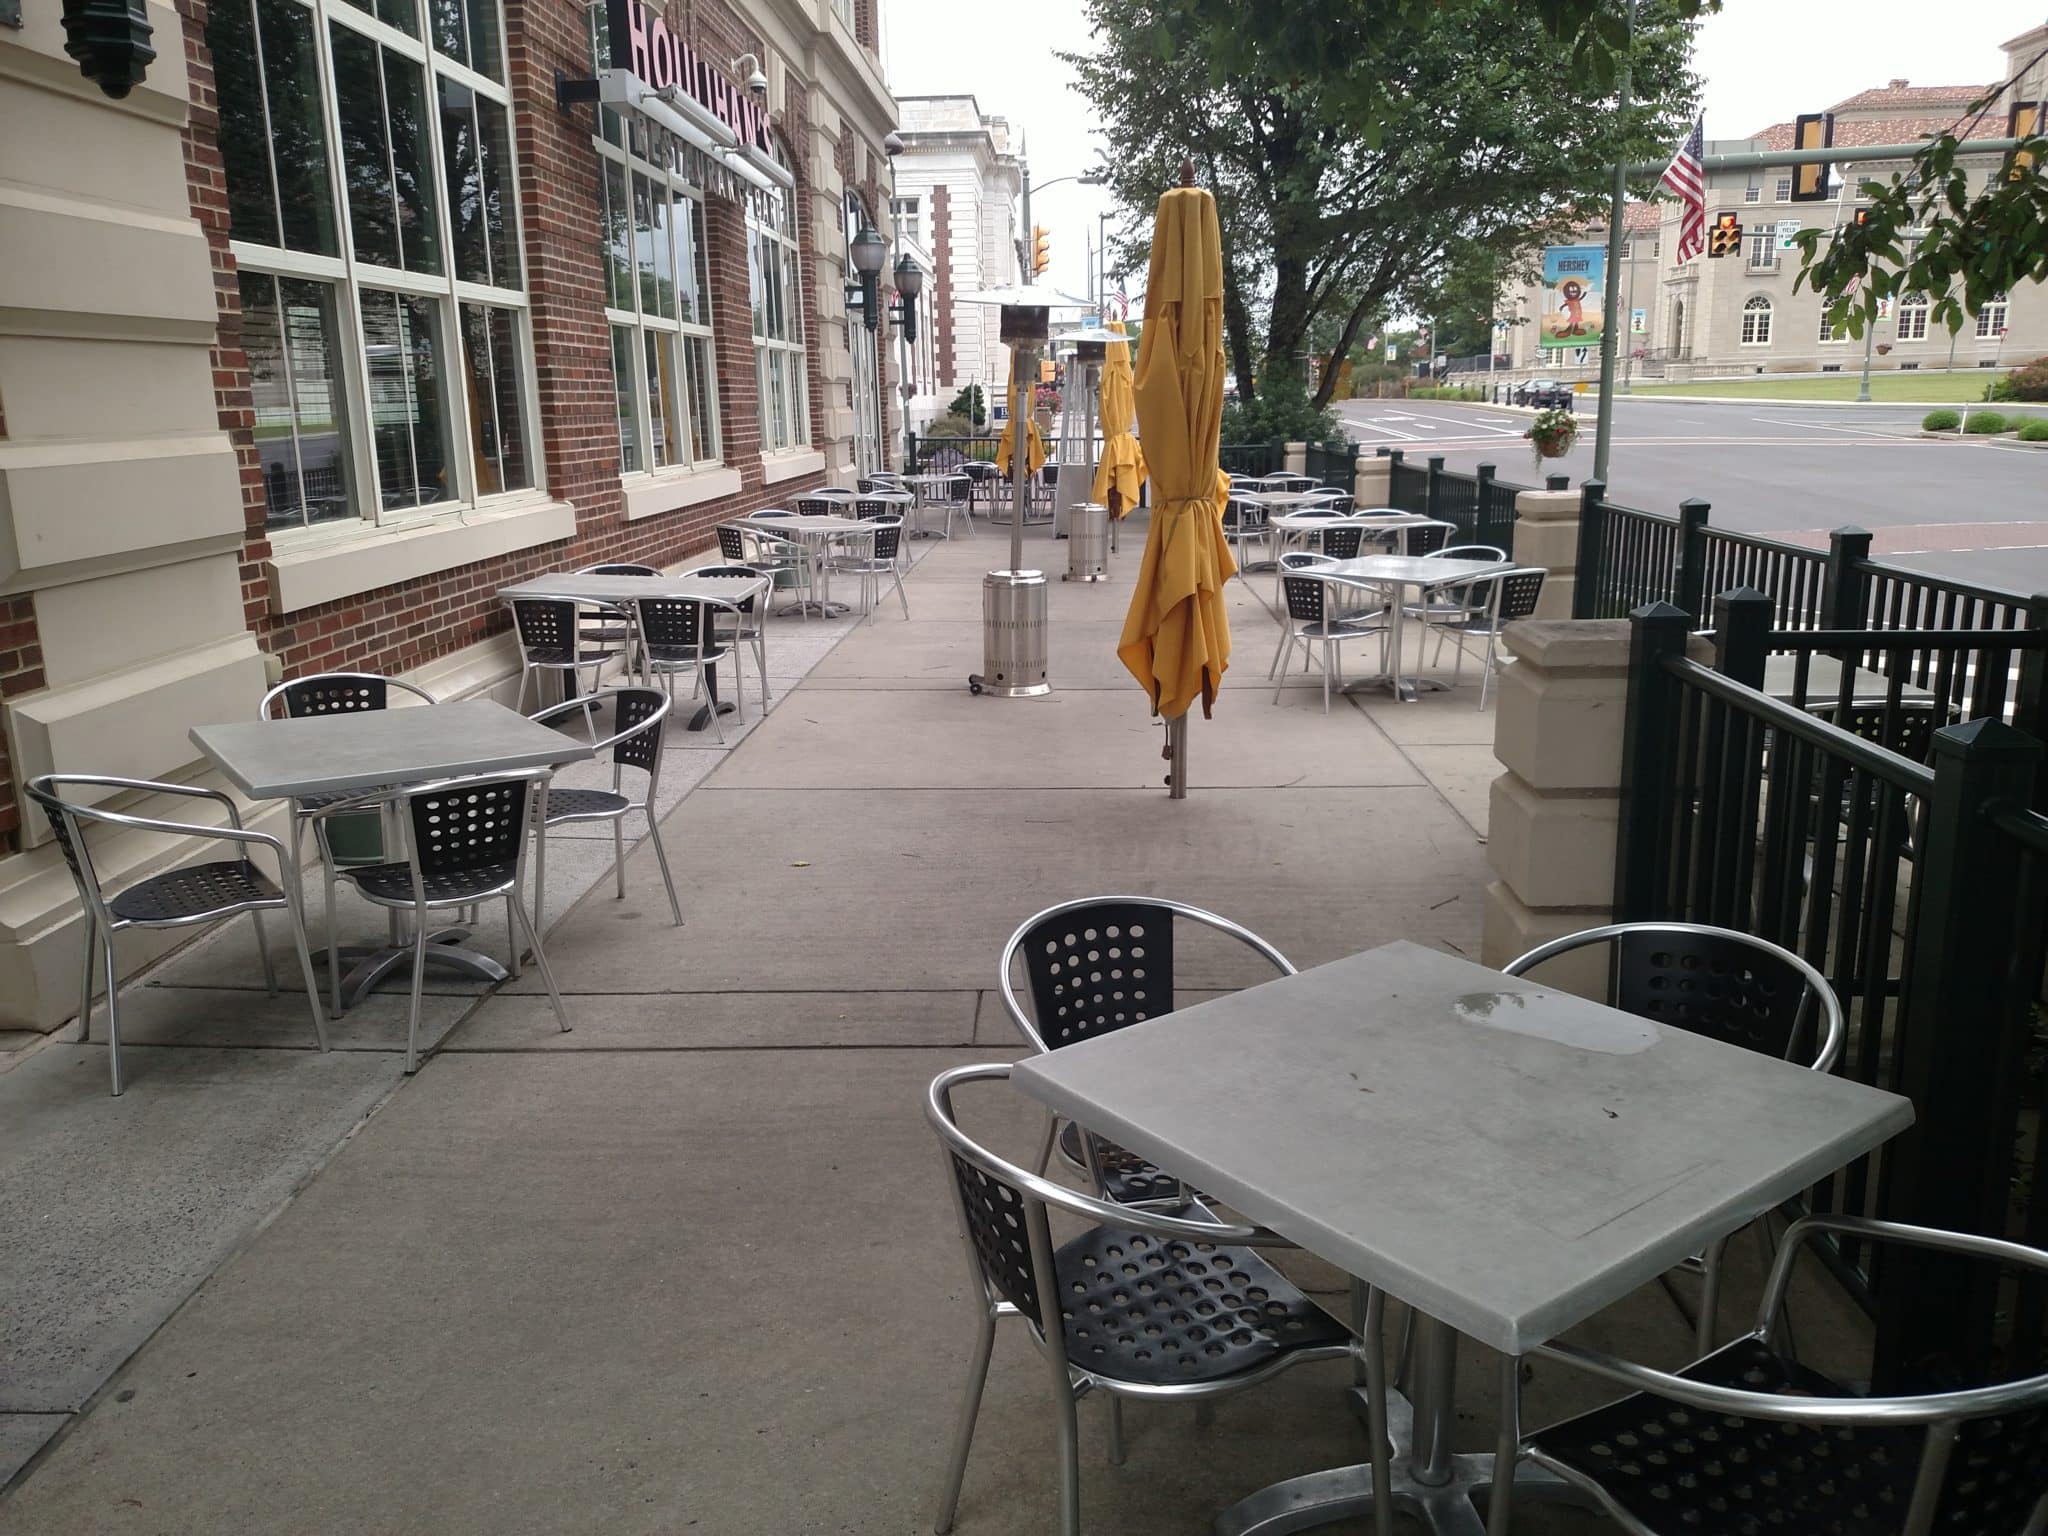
(1552, 434)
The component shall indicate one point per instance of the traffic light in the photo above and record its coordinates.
(2024, 120)
(1041, 249)
(1725, 238)
(1812, 130)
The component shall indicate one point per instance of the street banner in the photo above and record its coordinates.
(1638, 322)
(1574, 296)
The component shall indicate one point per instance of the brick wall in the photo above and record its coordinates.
(402, 626)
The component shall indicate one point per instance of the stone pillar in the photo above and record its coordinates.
(1547, 534)
(1295, 461)
(1551, 828)
(1371, 485)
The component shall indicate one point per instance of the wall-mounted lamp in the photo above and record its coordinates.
(867, 252)
(110, 41)
(909, 284)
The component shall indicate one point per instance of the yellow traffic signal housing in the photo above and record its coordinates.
(1725, 238)
(1045, 370)
(1041, 249)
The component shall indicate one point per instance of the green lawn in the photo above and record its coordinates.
(1916, 388)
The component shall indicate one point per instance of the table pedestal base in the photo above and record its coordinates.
(1345, 1493)
(364, 968)
(1406, 689)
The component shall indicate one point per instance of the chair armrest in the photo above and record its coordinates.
(233, 834)
(1895, 1234)
(151, 786)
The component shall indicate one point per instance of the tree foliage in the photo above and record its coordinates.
(1355, 146)
(1923, 231)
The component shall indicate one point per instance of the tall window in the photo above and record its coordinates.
(776, 288)
(1913, 317)
(372, 207)
(1756, 322)
(1991, 318)
(1827, 327)
(1752, 194)
(657, 292)
(1763, 251)
(1784, 189)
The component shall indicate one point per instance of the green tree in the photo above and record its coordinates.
(1356, 147)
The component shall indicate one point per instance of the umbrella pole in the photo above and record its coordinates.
(1022, 355)
(1177, 757)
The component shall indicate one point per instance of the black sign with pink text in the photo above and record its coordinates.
(644, 43)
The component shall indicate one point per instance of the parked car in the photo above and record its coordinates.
(1543, 394)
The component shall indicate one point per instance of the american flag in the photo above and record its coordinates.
(1122, 301)
(1688, 178)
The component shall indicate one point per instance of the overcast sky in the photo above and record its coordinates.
(1763, 61)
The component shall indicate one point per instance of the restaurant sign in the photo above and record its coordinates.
(643, 43)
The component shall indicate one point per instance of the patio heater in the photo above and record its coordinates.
(1088, 525)
(1013, 648)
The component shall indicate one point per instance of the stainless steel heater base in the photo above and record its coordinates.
(1013, 635)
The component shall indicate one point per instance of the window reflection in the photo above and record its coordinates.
(408, 401)
(291, 335)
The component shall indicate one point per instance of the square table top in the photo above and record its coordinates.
(810, 527)
(367, 749)
(1508, 1158)
(574, 586)
(1413, 570)
(1383, 521)
(1824, 685)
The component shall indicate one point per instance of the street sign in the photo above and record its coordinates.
(1391, 350)
(1579, 388)
(1787, 229)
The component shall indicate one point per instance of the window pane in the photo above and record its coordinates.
(244, 135)
(695, 212)
(757, 280)
(412, 165)
(655, 253)
(408, 403)
(665, 427)
(490, 348)
(703, 404)
(689, 308)
(365, 153)
(608, 125)
(476, 151)
(467, 31)
(290, 332)
(396, 13)
(298, 125)
(618, 243)
(628, 393)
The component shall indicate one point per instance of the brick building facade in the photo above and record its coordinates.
(248, 443)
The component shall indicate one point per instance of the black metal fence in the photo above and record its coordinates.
(1252, 458)
(1482, 507)
(1841, 810)
(1334, 463)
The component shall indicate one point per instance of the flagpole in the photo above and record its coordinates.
(1603, 431)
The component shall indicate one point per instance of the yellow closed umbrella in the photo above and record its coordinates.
(1121, 469)
(1176, 638)
(1037, 443)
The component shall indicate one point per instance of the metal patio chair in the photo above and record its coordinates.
(1489, 604)
(1207, 1318)
(464, 843)
(1751, 1440)
(875, 558)
(1126, 945)
(754, 541)
(329, 693)
(680, 634)
(817, 506)
(635, 742)
(1428, 538)
(1729, 986)
(1244, 524)
(984, 483)
(550, 636)
(178, 898)
(1316, 617)
(612, 623)
(749, 626)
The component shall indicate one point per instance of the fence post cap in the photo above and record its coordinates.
(1988, 739)
(1660, 612)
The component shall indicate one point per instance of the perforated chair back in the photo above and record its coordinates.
(978, 469)
(1100, 964)
(1343, 501)
(335, 693)
(619, 568)
(1729, 986)
(1427, 538)
(888, 538)
(69, 836)
(1307, 596)
(1470, 552)
(1342, 543)
(1908, 732)
(1520, 591)
(465, 826)
(545, 625)
(867, 510)
(632, 709)
(674, 626)
(816, 506)
(744, 604)
(769, 514)
(1304, 560)
(732, 542)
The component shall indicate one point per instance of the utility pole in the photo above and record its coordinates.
(1603, 431)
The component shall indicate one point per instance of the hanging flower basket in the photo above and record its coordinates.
(1552, 434)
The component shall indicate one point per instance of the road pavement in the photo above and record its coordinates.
(1974, 510)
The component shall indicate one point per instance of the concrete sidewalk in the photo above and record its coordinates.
(693, 1265)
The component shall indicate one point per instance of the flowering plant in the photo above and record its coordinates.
(1552, 434)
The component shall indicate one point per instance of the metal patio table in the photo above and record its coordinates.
(1290, 526)
(1401, 572)
(921, 486)
(383, 749)
(1868, 689)
(1505, 1159)
(821, 533)
(1274, 502)
(622, 592)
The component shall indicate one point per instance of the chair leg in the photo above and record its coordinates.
(963, 1432)
(619, 855)
(1279, 650)
(333, 933)
(1329, 650)
(113, 1011)
(1710, 1296)
(540, 962)
(512, 944)
(902, 596)
(296, 910)
(263, 949)
(1376, 1413)
(703, 683)
(540, 875)
(1070, 1454)
(661, 858)
(85, 980)
(1507, 1449)
(1116, 1430)
(419, 977)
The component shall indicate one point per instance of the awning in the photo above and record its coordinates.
(673, 111)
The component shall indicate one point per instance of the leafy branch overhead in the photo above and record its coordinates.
(1923, 231)
(1360, 149)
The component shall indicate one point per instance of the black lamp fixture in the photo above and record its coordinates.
(909, 284)
(110, 41)
(868, 251)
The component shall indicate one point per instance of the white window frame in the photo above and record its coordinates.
(1752, 194)
(353, 279)
(682, 255)
(1784, 189)
(795, 398)
(1758, 308)
(1991, 319)
(1828, 334)
(1762, 255)
(1911, 317)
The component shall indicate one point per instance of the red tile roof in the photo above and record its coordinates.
(1876, 130)
(1923, 97)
